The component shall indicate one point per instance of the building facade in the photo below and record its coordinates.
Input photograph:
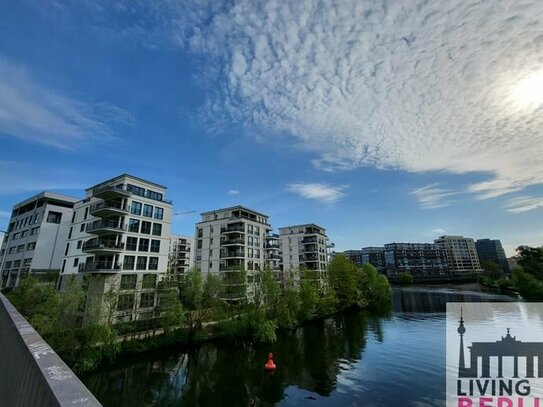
(461, 253)
(374, 256)
(492, 250)
(304, 247)
(181, 257)
(417, 259)
(354, 255)
(229, 240)
(119, 239)
(34, 240)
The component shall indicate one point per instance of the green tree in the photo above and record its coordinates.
(308, 300)
(170, 309)
(375, 288)
(342, 274)
(405, 278)
(192, 290)
(531, 260)
(492, 270)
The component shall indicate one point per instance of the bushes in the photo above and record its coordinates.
(405, 278)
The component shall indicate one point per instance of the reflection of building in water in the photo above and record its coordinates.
(508, 346)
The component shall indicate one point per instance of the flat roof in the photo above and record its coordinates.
(119, 177)
(303, 225)
(231, 208)
(49, 196)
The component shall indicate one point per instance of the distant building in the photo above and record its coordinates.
(304, 247)
(181, 257)
(461, 253)
(417, 259)
(376, 257)
(492, 250)
(35, 238)
(354, 255)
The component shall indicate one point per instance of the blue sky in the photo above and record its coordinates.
(380, 120)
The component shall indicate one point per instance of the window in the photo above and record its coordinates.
(79, 244)
(17, 263)
(129, 262)
(8, 264)
(67, 248)
(24, 233)
(16, 235)
(154, 195)
(20, 248)
(128, 281)
(31, 246)
(199, 246)
(36, 218)
(144, 245)
(76, 262)
(135, 208)
(157, 229)
(155, 246)
(54, 217)
(146, 227)
(11, 250)
(141, 263)
(27, 262)
(35, 231)
(159, 213)
(69, 233)
(148, 210)
(135, 190)
(134, 225)
(82, 228)
(125, 302)
(147, 300)
(131, 243)
(200, 233)
(73, 216)
(86, 213)
(149, 280)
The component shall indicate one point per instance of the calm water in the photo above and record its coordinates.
(352, 359)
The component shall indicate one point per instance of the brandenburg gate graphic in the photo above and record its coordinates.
(508, 346)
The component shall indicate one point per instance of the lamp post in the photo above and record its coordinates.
(5, 245)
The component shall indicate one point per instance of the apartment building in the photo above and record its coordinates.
(181, 257)
(492, 250)
(354, 255)
(376, 257)
(34, 240)
(232, 239)
(461, 253)
(417, 259)
(119, 240)
(304, 247)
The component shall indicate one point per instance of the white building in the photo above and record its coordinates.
(120, 236)
(304, 247)
(181, 256)
(461, 253)
(232, 239)
(34, 242)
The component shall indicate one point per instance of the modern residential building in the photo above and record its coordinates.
(304, 247)
(119, 239)
(273, 254)
(492, 250)
(354, 255)
(232, 239)
(34, 240)
(374, 256)
(181, 257)
(417, 259)
(461, 253)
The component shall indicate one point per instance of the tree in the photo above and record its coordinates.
(171, 311)
(492, 270)
(308, 300)
(193, 289)
(405, 278)
(342, 274)
(375, 288)
(531, 260)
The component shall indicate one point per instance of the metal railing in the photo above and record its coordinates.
(106, 266)
(235, 253)
(109, 205)
(105, 224)
(96, 244)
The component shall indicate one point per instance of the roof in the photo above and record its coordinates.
(231, 208)
(119, 177)
(303, 225)
(51, 196)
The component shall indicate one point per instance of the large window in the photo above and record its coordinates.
(157, 229)
(125, 302)
(134, 225)
(54, 217)
(141, 263)
(149, 280)
(159, 213)
(144, 245)
(31, 246)
(129, 262)
(147, 300)
(128, 281)
(146, 227)
(153, 263)
(148, 210)
(154, 195)
(135, 208)
(135, 189)
(131, 243)
(155, 246)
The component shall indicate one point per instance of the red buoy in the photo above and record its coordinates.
(270, 365)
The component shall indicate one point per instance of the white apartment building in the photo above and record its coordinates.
(461, 253)
(119, 238)
(181, 256)
(304, 247)
(231, 239)
(34, 239)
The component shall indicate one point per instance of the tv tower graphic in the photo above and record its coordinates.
(461, 330)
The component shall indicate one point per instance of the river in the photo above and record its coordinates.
(351, 359)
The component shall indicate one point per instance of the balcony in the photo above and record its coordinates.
(110, 191)
(309, 240)
(100, 267)
(233, 229)
(273, 257)
(105, 226)
(102, 246)
(274, 245)
(108, 208)
(233, 254)
(233, 242)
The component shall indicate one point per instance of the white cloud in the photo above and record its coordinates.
(418, 86)
(233, 192)
(433, 197)
(438, 231)
(320, 192)
(5, 214)
(523, 204)
(33, 112)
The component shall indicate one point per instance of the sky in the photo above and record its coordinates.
(382, 121)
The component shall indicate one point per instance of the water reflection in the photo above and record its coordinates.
(353, 358)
